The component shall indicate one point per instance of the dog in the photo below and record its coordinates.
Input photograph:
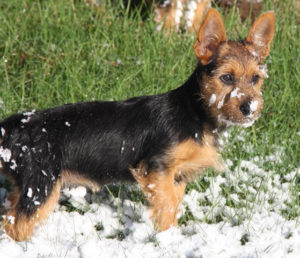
(162, 142)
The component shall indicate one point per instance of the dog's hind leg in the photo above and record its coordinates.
(22, 216)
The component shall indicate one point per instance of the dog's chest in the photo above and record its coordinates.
(189, 158)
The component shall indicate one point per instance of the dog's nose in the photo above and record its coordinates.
(245, 108)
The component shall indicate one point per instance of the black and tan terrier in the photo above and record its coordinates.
(161, 142)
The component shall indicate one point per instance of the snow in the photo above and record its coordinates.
(212, 99)
(44, 172)
(73, 235)
(2, 131)
(13, 165)
(11, 219)
(165, 3)
(25, 120)
(239, 214)
(264, 70)
(254, 54)
(123, 147)
(215, 131)
(190, 13)
(227, 122)
(29, 192)
(5, 154)
(253, 107)
(29, 113)
(221, 103)
(151, 186)
(178, 13)
(235, 93)
(24, 148)
(27, 116)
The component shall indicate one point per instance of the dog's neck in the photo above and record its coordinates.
(190, 95)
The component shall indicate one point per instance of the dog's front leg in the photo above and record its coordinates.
(164, 196)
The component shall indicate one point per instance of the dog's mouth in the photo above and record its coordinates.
(243, 114)
(245, 122)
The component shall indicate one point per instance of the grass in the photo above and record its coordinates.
(53, 52)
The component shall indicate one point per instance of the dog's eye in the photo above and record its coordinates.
(227, 79)
(254, 79)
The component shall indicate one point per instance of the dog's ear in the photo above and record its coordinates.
(211, 34)
(261, 34)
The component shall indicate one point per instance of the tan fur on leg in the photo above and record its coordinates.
(19, 226)
(163, 194)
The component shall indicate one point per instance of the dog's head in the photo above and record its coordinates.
(233, 70)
